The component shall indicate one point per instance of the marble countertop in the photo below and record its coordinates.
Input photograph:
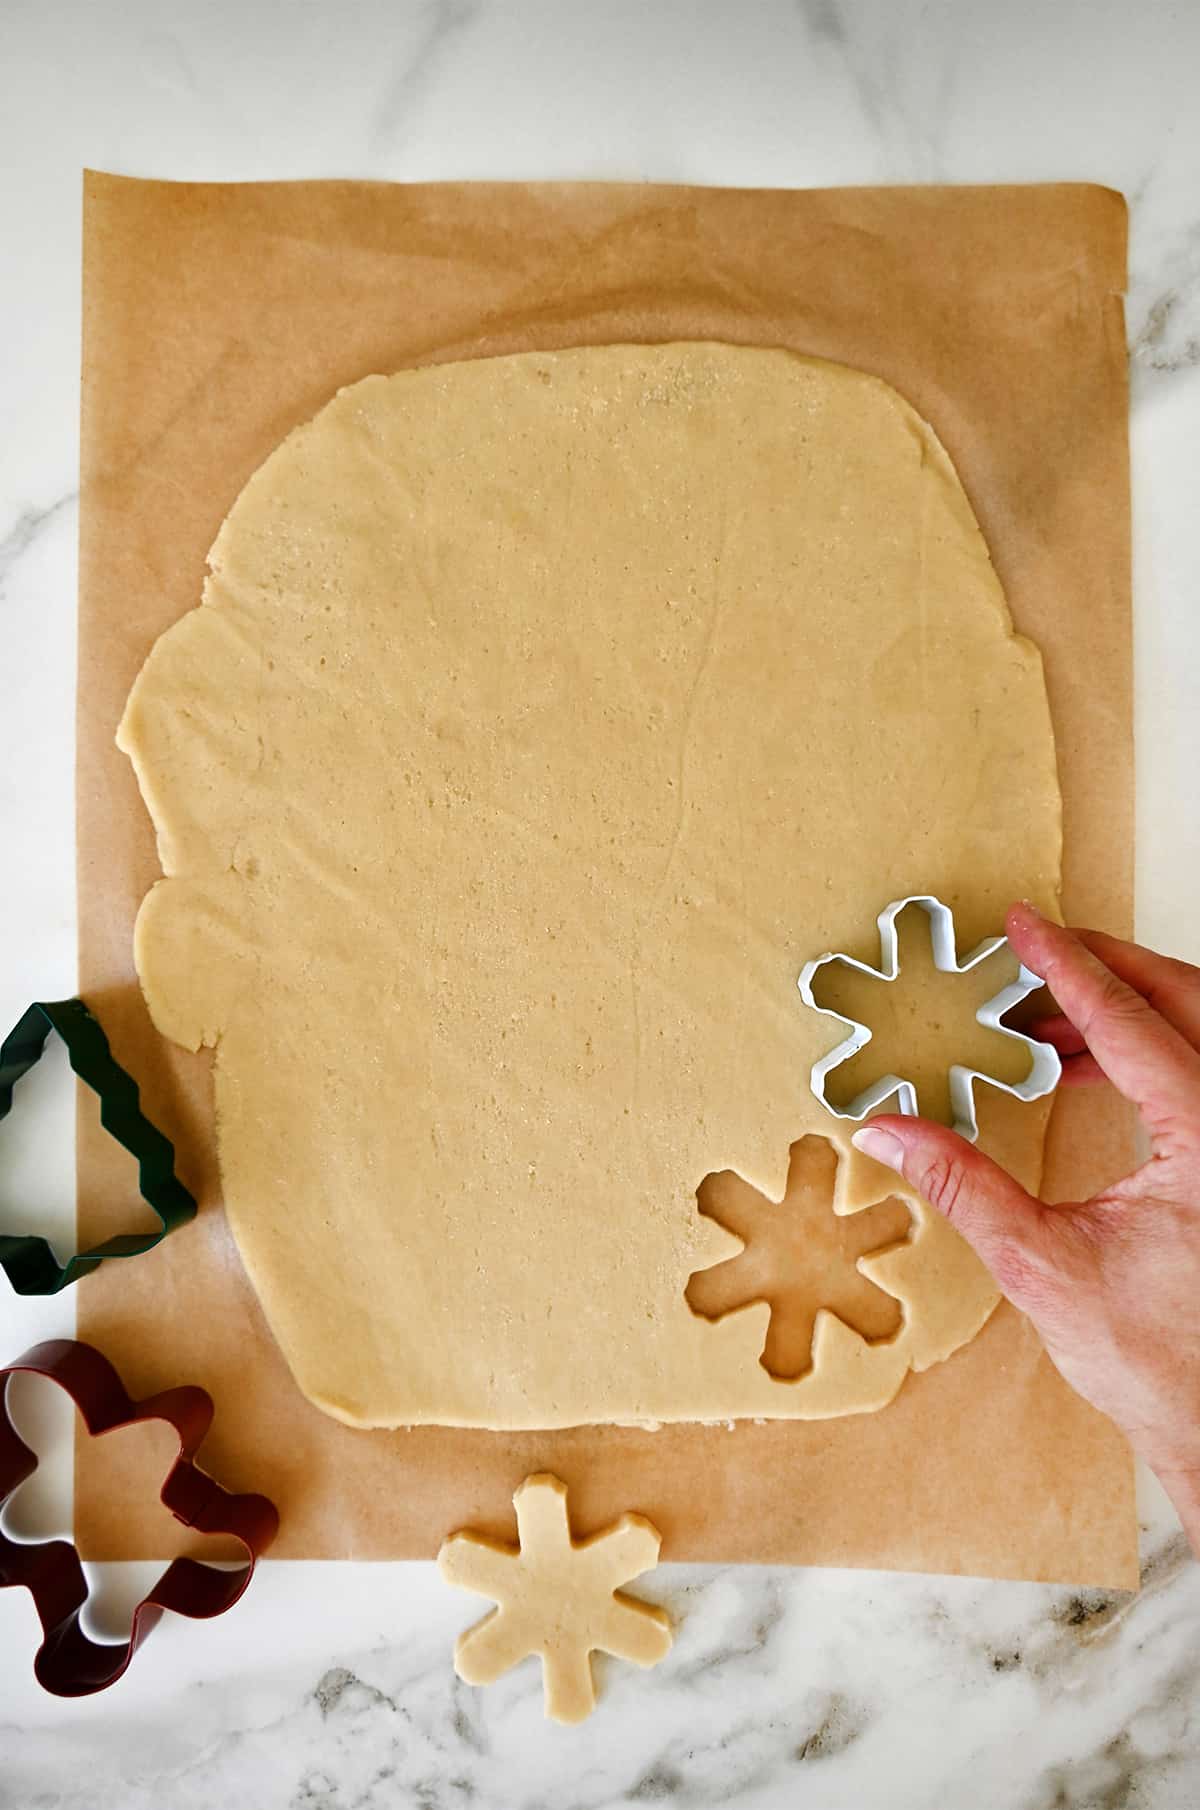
(332, 1688)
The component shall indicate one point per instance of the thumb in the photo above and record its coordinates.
(1003, 1223)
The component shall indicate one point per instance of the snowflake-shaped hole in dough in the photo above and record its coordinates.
(799, 1256)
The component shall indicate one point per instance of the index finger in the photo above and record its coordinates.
(1142, 1055)
(1172, 987)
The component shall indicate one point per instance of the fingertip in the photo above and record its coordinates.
(1021, 924)
(881, 1144)
(906, 1143)
(1023, 921)
(1036, 938)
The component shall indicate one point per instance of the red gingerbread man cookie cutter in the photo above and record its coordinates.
(68, 1662)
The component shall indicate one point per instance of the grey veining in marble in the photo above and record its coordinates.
(30, 523)
(785, 1688)
(439, 24)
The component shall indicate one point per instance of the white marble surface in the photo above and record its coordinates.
(331, 1688)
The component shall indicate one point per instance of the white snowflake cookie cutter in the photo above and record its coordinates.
(1045, 1067)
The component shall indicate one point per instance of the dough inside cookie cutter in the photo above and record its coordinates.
(1044, 1065)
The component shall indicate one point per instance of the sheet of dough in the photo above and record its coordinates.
(542, 716)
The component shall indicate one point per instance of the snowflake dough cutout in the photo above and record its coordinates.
(1044, 1066)
(556, 1597)
(799, 1257)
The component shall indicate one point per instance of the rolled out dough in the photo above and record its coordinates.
(542, 716)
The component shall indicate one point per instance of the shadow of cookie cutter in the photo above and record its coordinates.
(1045, 1067)
(68, 1662)
(27, 1260)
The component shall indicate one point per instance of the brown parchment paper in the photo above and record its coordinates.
(216, 317)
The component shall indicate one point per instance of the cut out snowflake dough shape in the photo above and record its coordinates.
(557, 1598)
(799, 1257)
(1044, 1065)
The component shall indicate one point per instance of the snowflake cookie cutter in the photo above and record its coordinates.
(69, 1663)
(1045, 1067)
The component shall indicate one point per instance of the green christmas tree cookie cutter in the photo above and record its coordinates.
(27, 1260)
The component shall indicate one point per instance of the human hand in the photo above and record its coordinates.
(1112, 1283)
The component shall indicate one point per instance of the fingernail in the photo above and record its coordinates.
(880, 1145)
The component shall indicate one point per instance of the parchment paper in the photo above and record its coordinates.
(216, 317)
